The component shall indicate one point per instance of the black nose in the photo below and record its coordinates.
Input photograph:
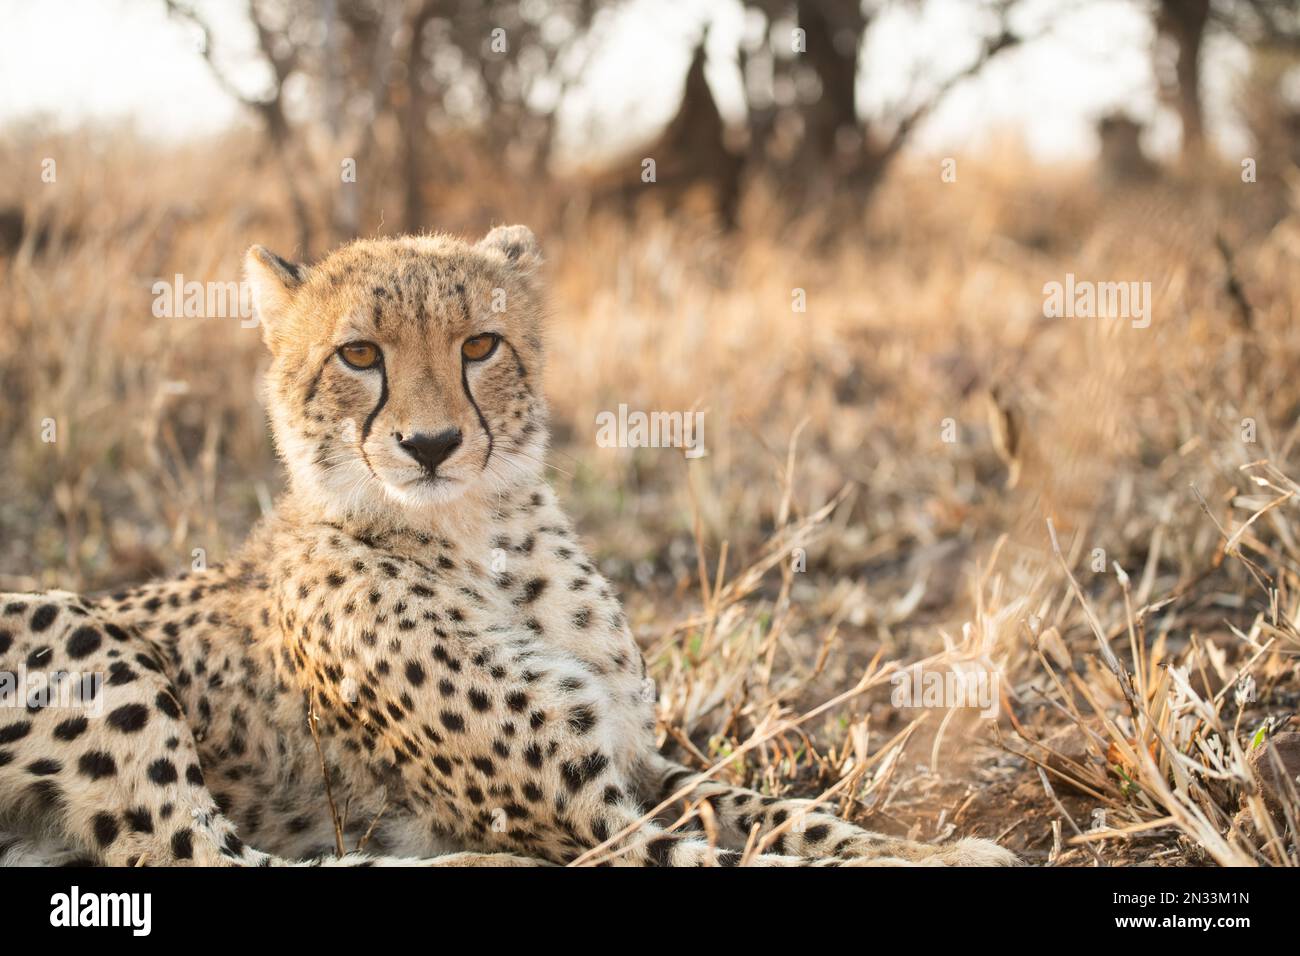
(431, 450)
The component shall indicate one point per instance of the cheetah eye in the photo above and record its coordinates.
(361, 355)
(479, 347)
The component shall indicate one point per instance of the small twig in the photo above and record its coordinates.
(1051, 795)
(329, 793)
(365, 837)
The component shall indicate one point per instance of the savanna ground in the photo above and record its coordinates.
(1132, 698)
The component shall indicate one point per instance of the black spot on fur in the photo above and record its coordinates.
(83, 642)
(96, 764)
(581, 720)
(119, 673)
(71, 729)
(162, 772)
(532, 591)
(578, 773)
(129, 718)
(106, 829)
(12, 732)
(183, 844)
(43, 617)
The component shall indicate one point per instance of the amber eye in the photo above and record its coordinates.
(360, 354)
(480, 346)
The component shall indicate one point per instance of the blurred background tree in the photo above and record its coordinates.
(403, 98)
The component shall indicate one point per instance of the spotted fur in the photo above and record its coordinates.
(435, 638)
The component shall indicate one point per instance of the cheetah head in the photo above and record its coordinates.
(406, 373)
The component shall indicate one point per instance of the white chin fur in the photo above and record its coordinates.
(425, 494)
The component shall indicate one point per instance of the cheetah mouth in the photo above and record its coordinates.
(425, 490)
(424, 482)
(407, 480)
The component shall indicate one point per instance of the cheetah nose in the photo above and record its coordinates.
(431, 450)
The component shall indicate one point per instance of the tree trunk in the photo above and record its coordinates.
(833, 29)
(1183, 23)
(415, 125)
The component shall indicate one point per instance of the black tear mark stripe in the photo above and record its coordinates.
(464, 380)
(374, 413)
(487, 429)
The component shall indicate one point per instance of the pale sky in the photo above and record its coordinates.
(107, 60)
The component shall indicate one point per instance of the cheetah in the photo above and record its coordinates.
(411, 661)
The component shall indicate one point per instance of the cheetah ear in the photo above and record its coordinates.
(516, 244)
(274, 281)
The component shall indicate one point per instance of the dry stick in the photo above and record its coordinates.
(717, 590)
(1113, 832)
(1136, 648)
(1245, 669)
(1256, 572)
(938, 738)
(1107, 655)
(787, 497)
(365, 837)
(1231, 547)
(697, 532)
(686, 744)
(869, 680)
(329, 794)
(1051, 794)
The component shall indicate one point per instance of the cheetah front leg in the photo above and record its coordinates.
(100, 755)
(813, 833)
(103, 760)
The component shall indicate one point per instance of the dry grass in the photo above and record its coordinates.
(825, 432)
